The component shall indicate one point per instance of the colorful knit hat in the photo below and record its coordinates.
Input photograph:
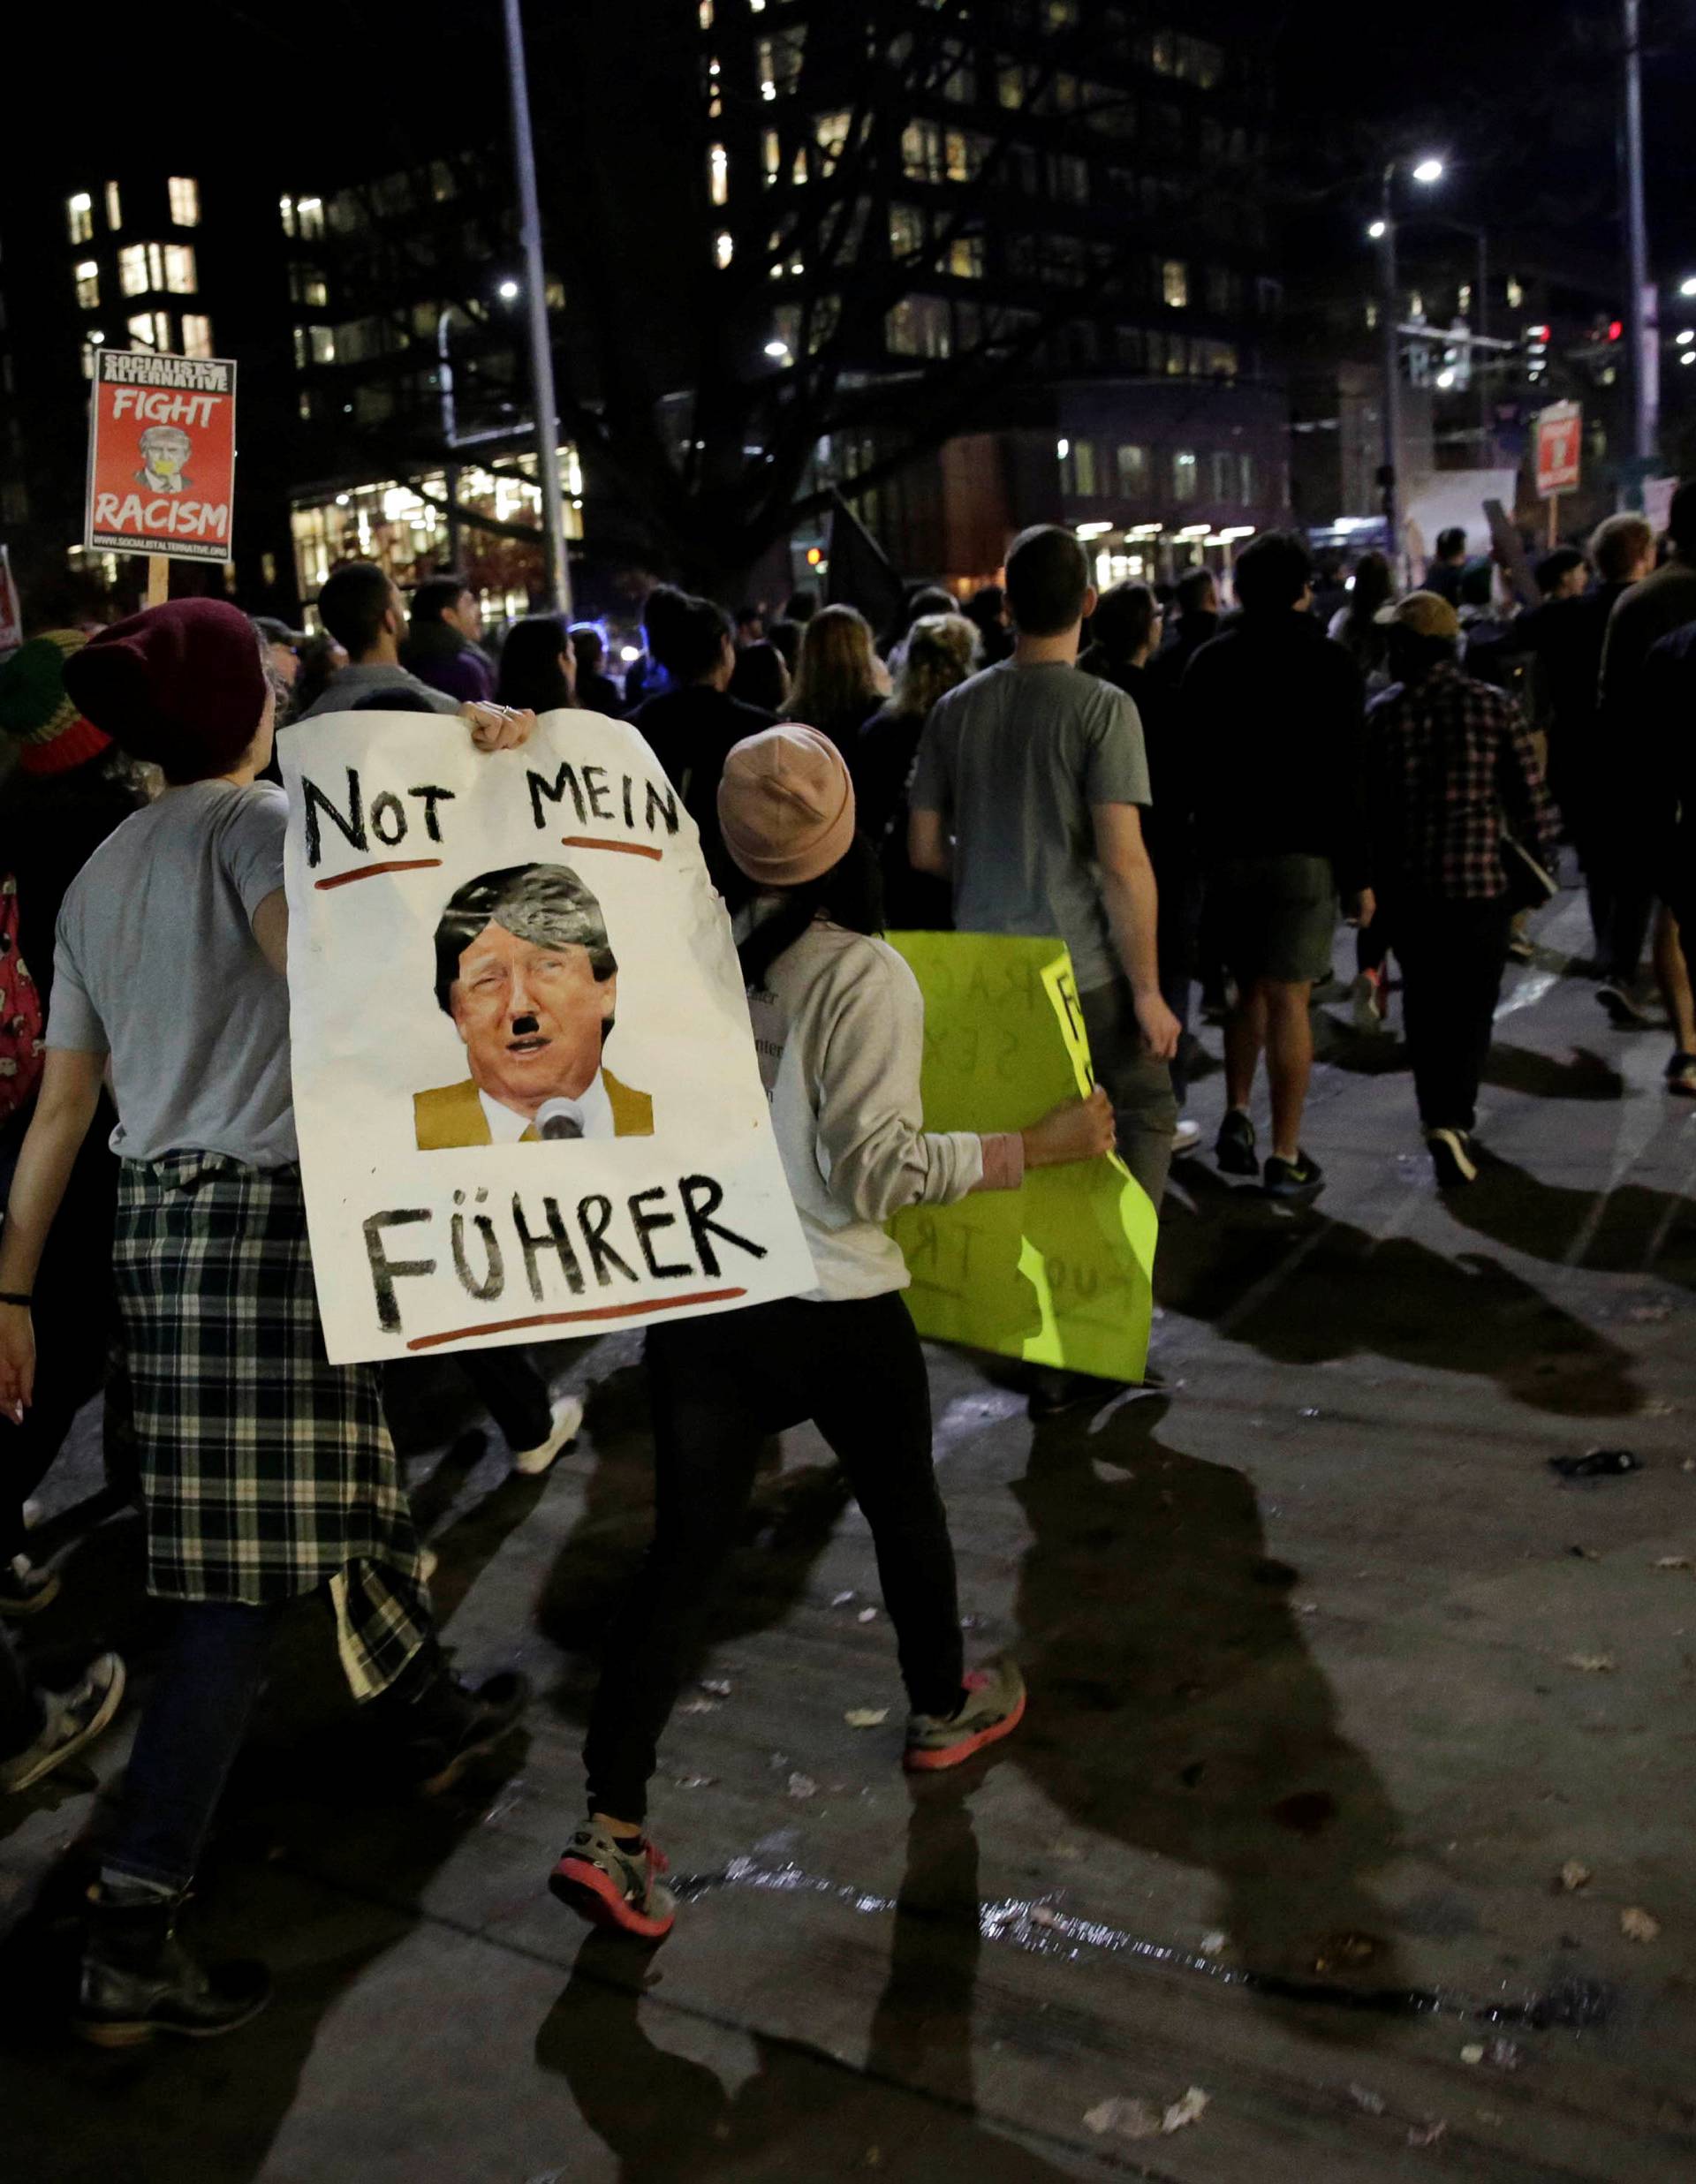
(35, 709)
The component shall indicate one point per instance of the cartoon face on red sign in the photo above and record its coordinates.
(1560, 443)
(161, 454)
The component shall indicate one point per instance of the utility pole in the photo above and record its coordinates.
(1643, 317)
(535, 301)
(1391, 309)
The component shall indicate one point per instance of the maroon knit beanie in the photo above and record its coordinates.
(182, 684)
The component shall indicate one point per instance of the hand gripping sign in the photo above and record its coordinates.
(1056, 1272)
(161, 456)
(524, 1084)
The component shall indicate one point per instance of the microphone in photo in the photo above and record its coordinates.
(559, 1118)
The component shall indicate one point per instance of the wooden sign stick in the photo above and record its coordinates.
(158, 579)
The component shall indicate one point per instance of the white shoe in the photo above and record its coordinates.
(427, 1564)
(1367, 1010)
(1185, 1138)
(568, 1419)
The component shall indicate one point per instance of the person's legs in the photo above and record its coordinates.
(512, 1392)
(21, 1716)
(1453, 966)
(873, 1407)
(1244, 1038)
(1672, 976)
(707, 1426)
(1289, 1058)
(1140, 1087)
(1630, 911)
(188, 1738)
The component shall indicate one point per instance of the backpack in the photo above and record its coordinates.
(20, 1013)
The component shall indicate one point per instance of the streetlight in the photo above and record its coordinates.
(779, 351)
(1688, 287)
(1425, 171)
(507, 291)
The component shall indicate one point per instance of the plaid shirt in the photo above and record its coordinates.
(1450, 768)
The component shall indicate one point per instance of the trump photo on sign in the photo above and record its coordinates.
(525, 1088)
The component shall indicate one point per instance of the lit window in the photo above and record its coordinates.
(1186, 475)
(184, 201)
(966, 257)
(197, 335)
(771, 152)
(718, 173)
(79, 211)
(966, 154)
(114, 208)
(724, 248)
(831, 135)
(1516, 294)
(285, 208)
(921, 151)
(309, 216)
(1175, 283)
(133, 268)
(179, 268)
(88, 286)
(1245, 478)
(307, 285)
(323, 344)
(1225, 477)
(150, 329)
(706, 14)
(919, 325)
(1131, 467)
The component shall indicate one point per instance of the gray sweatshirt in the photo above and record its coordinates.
(840, 1028)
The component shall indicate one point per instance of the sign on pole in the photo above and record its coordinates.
(525, 1080)
(161, 456)
(1560, 444)
(11, 615)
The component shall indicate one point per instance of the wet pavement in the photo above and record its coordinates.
(1330, 1674)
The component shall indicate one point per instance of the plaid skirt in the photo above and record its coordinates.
(266, 1470)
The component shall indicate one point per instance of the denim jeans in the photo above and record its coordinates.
(188, 1738)
(21, 1718)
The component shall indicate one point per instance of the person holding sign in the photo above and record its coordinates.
(838, 1025)
(267, 1472)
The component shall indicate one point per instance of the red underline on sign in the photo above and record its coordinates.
(595, 842)
(370, 872)
(568, 1319)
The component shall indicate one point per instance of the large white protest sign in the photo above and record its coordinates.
(524, 1079)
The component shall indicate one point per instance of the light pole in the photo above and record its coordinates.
(541, 355)
(1643, 318)
(1382, 231)
(450, 429)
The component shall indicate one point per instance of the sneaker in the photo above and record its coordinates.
(73, 1718)
(1451, 1156)
(1368, 1005)
(451, 1724)
(1055, 1389)
(1627, 1012)
(568, 1420)
(1185, 1138)
(1681, 1075)
(615, 1883)
(1234, 1147)
(993, 1707)
(25, 1589)
(1300, 1178)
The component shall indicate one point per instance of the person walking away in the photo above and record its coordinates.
(1663, 601)
(1124, 634)
(1276, 712)
(1443, 574)
(1196, 623)
(987, 611)
(596, 692)
(1355, 625)
(760, 676)
(840, 682)
(70, 788)
(1451, 769)
(443, 646)
(1580, 770)
(691, 727)
(266, 1471)
(538, 669)
(361, 607)
(1028, 794)
(941, 651)
(838, 1024)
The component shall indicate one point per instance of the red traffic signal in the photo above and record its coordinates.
(1615, 328)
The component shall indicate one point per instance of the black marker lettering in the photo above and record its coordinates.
(352, 826)
(701, 1224)
(384, 1269)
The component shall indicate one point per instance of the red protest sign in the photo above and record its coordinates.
(161, 454)
(1560, 443)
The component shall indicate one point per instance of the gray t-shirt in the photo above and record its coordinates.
(157, 964)
(1012, 760)
(374, 678)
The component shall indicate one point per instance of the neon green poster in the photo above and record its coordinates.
(1056, 1272)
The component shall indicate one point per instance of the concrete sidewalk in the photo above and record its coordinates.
(1306, 1749)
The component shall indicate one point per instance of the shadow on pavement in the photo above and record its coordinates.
(909, 2114)
(1175, 1707)
(1635, 1231)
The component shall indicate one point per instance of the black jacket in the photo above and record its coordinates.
(691, 732)
(1274, 712)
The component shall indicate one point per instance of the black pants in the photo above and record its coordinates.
(718, 1386)
(21, 1720)
(1452, 955)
